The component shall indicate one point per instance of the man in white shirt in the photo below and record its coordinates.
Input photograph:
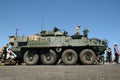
(10, 54)
(77, 30)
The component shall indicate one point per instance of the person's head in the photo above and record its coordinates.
(115, 44)
(9, 49)
(108, 49)
(78, 26)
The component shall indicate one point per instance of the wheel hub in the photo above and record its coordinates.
(48, 58)
(88, 57)
(69, 58)
(30, 58)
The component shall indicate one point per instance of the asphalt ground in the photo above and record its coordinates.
(61, 72)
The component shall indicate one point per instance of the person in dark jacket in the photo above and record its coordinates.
(116, 52)
(109, 54)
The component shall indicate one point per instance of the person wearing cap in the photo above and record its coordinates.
(77, 30)
(116, 52)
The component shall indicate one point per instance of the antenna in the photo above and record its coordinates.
(16, 32)
(42, 24)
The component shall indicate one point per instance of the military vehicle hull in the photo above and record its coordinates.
(50, 47)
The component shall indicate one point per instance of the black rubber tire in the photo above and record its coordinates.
(49, 58)
(1, 55)
(31, 57)
(87, 56)
(69, 57)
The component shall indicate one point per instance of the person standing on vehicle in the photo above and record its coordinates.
(77, 30)
(116, 52)
(109, 54)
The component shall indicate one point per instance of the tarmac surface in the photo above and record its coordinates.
(61, 72)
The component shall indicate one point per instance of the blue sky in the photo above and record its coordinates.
(101, 17)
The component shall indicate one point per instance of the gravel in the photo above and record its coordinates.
(61, 72)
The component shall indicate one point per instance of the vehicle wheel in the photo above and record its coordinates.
(49, 58)
(31, 57)
(87, 56)
(69, 57)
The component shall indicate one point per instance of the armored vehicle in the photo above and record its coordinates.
(48, 47)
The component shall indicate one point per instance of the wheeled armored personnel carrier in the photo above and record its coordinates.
(48, 47)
